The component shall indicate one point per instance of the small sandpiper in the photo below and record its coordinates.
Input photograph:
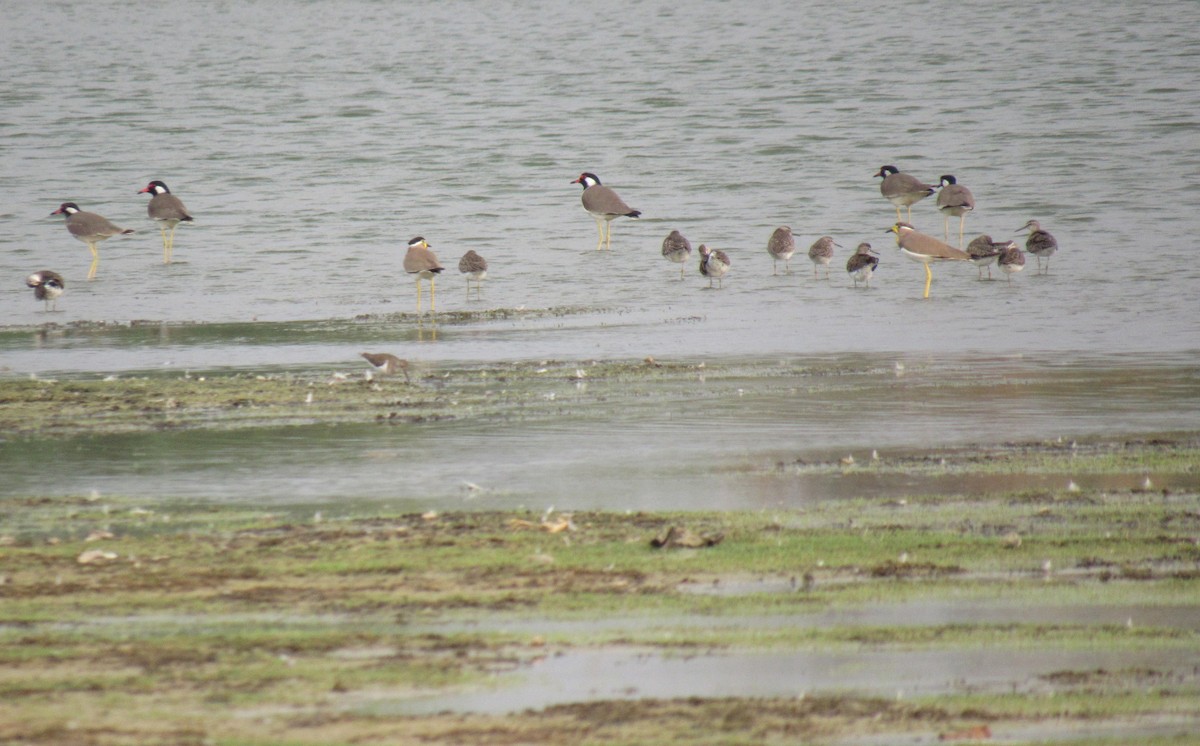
(862, 264)
(1011, 260)
(47, 286)
(387, 363)
(821, 254)
(677, 249)
(984, 252)
(475, 268)
(1040, 243)
(713, 264)
(781, 246)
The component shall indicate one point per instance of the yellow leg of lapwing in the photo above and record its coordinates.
(608, 236)
(166, 245)
(432, 295)
(418, 296)
(600, 229)
(95, 261)
(171, 245)
(928, 279)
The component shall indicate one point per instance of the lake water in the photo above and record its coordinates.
(312, 140)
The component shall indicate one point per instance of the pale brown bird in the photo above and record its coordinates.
(713, 264)
(89, 228)
(984, 252)
(1040, 243)
(902, 190)
(821, 254)
(168, 211)
(781, 246)
(604, 205)
(862, 263)
(925, 249)
(677, 249)
(475, 268)
(1011, 260)
(47, 286)
(954, 199)
(421, 263)
(386, 363)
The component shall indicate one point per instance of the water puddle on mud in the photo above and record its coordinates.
(634, 674)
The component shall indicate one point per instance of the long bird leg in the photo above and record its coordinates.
(95, 261)
(928, 279)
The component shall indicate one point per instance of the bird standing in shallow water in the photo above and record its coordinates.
(954, 199)
(713, 264)
(1011, 260)
(386, 363)
(89, 228)
(604, 205)
(983, 252)
(168, 211)
(925, 249)
(422, 263)
(781, 246)
(902, 190)
(862, 264)
(677, 249)
(821, 254)
(475, 268)
(47, 286)
(1040, 243)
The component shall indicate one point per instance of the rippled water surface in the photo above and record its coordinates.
(312, 140)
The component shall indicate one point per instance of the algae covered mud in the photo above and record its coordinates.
(837, 548)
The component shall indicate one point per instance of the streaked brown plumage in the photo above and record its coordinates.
(47, 286)
(781, 246)
(983, 252)
(1040, 243)
(862, 263)
(1011, 260)
(821, 254)
(168, 211)
(713, 264)
(386, 363)
(423, 265)
(475, 268)
(925, 249)
(954, 199)
(604, 205)
(902, 190)
(89, 228)
(677, 249)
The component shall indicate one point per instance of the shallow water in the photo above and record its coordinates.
(312, 140)
(721, 438)
(624, 674)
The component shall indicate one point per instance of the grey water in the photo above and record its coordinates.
(311, 140)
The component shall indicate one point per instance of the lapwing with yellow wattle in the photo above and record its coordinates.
(421, 263)
(925, 249)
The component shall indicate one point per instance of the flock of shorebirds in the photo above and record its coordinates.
(605, 205)
(899, 188)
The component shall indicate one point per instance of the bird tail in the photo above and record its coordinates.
(127, 231)
(633, 214)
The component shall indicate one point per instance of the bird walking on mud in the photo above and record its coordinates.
(925, 249)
